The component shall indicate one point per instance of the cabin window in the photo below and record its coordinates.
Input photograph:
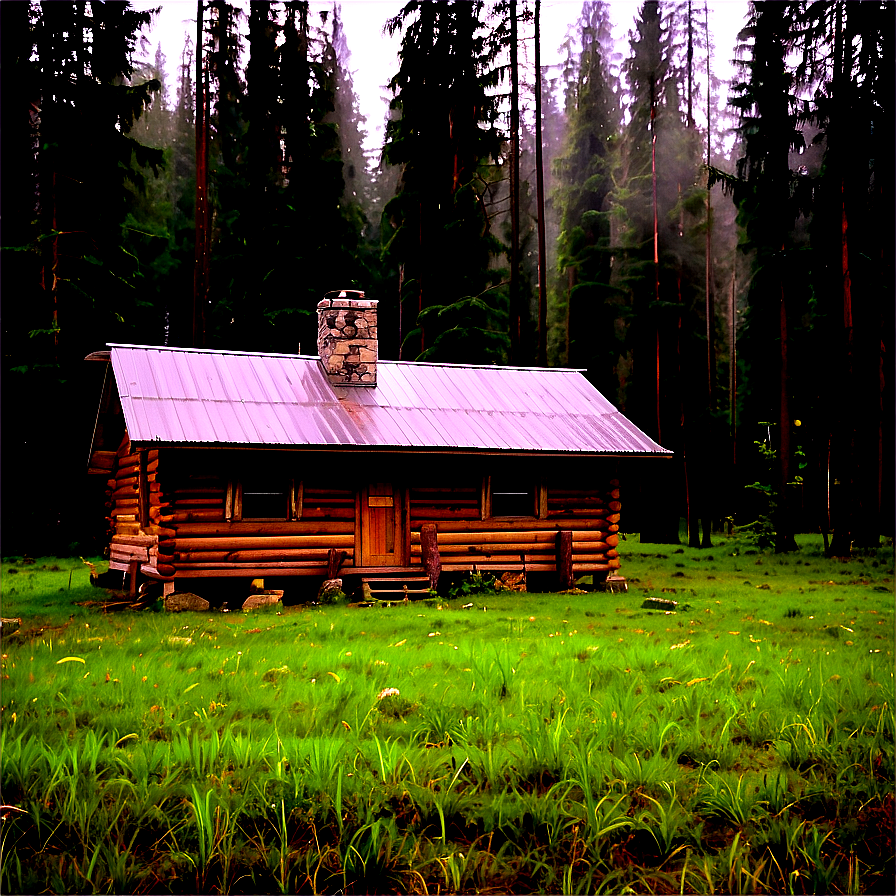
(512, 497)
(262, 498)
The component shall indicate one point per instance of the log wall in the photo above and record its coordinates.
(467, 541)
(189, 505)
(168, 508)
(130, 494)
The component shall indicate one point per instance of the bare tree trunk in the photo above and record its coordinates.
(515, 313)
(203, 235)
(539, 175)
(705, 493)
(785, 539)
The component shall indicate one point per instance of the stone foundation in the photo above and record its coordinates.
(346, 338)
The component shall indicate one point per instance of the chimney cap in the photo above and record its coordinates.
(344, 294)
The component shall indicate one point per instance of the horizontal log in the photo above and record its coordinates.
(125, 481)
(576, 558)
(253, 573)
(129, 492)
(583, 568)
(160, 531)
(612, 540)
(438, 517)
(152, 573)
(253, 529)
(262, 555)
(128, 552)
(486, 567)
(492, 558)
(143, 540)
(576, 501)
(252, 542)
(266, 565)
(444, 489)
(333, 513)
(509, 529)
(577, 514)
(615, 506)
(165, 569)
(545, 537)
(127, 529)
(448, 500)
(470, 546)
(192, 516)
(613, 494)
(126, 509)
(210, 501)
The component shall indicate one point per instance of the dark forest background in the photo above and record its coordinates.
(719, 262)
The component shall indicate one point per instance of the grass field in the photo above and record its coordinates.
(571, 743)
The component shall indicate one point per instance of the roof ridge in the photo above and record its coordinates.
(227, 351)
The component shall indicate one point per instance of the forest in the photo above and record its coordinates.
(717, 256)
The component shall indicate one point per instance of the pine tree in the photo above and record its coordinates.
(767, 215)
(67, 67)
(441, 137)
(584, 175)
(842, 51)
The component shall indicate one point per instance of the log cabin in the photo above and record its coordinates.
(223, 464)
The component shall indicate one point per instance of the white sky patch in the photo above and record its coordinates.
(374, 55)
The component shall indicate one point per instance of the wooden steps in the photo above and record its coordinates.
(408, 586)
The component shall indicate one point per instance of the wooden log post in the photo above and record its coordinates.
(334, 561)
(429, 548)
(133, 566)
(564, 559)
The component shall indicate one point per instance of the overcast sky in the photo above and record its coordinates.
(374, 55)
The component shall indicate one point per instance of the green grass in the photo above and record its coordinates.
(571, 743)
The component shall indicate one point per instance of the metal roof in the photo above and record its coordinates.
(221, 398)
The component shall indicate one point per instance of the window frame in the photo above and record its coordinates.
(539, 500)
(233, 502)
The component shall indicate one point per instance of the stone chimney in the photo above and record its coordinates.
(346, 338)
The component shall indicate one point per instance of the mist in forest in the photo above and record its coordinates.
(715, 252)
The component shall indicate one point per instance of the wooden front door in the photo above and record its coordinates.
(382, 529)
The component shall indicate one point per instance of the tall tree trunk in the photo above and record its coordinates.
(539, 177)
(785, 540)
(844, 434)
(515, 313)
(706, 502)
(203, 235)
(656, 253)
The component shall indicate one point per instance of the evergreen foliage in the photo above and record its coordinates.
(768, 370)
(441, 137)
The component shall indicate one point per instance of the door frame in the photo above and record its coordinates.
(402, 523)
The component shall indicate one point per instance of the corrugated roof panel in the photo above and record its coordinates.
(238, 398)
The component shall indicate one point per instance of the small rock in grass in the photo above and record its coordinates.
(330, 592)
(265, 599)
(185, 600)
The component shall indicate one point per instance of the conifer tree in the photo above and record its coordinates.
(584, 175)
(442, 135)
(67, 67)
